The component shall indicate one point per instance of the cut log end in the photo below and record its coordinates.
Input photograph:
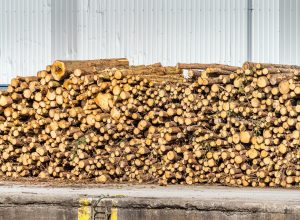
(58, 70)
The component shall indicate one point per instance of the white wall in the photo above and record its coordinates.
(33, 33)
(25, 37)
(276, 31)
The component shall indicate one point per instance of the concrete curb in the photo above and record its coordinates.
(38, 202)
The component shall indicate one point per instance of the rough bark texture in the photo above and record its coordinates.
(62, 69)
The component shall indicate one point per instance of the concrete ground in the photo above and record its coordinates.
(147, 202)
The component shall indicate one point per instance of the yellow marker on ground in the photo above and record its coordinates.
(84, 211)
(114, 214)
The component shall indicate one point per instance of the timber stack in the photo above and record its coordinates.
(107, 121)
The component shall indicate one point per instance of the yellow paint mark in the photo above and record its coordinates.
(119, 195)
(114, 214)
(84, 202)
(84, 211)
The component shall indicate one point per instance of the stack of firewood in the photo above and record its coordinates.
(108, 121)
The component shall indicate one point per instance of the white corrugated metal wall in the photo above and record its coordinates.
(33, 33)
(25, 37)
(276, 31)
(163, 31)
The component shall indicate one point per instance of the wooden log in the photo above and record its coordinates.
(5, 101)
(62, 69)
(204, 66)
(249, 65)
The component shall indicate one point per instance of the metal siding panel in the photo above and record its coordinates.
(263, 29)
(292, 34)
(166, 31)
(275, 31)
(233, 32)
(288, 27)
(23, 28)
(254, 29)
(222, 30)
(286, 30)
(242, 54)
(3, 39)
(34, 33)
(297, 46)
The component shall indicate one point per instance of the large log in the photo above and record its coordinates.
(205, 66)
(251, 65)
(61, 69)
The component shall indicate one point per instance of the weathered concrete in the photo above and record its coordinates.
(203, 209)
(149, 202)
(27, 206)
(39, 212)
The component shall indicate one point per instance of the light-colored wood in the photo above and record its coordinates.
(107, 121)
(62, 69)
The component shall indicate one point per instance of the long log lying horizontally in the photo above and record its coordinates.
(62, 69)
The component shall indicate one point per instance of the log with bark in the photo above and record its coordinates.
(61, 69)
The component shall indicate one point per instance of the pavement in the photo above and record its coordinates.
(150, 191)
(150, 202)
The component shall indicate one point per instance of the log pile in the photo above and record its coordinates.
(111, 122)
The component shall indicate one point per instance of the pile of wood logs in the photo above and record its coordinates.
(111, 122)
